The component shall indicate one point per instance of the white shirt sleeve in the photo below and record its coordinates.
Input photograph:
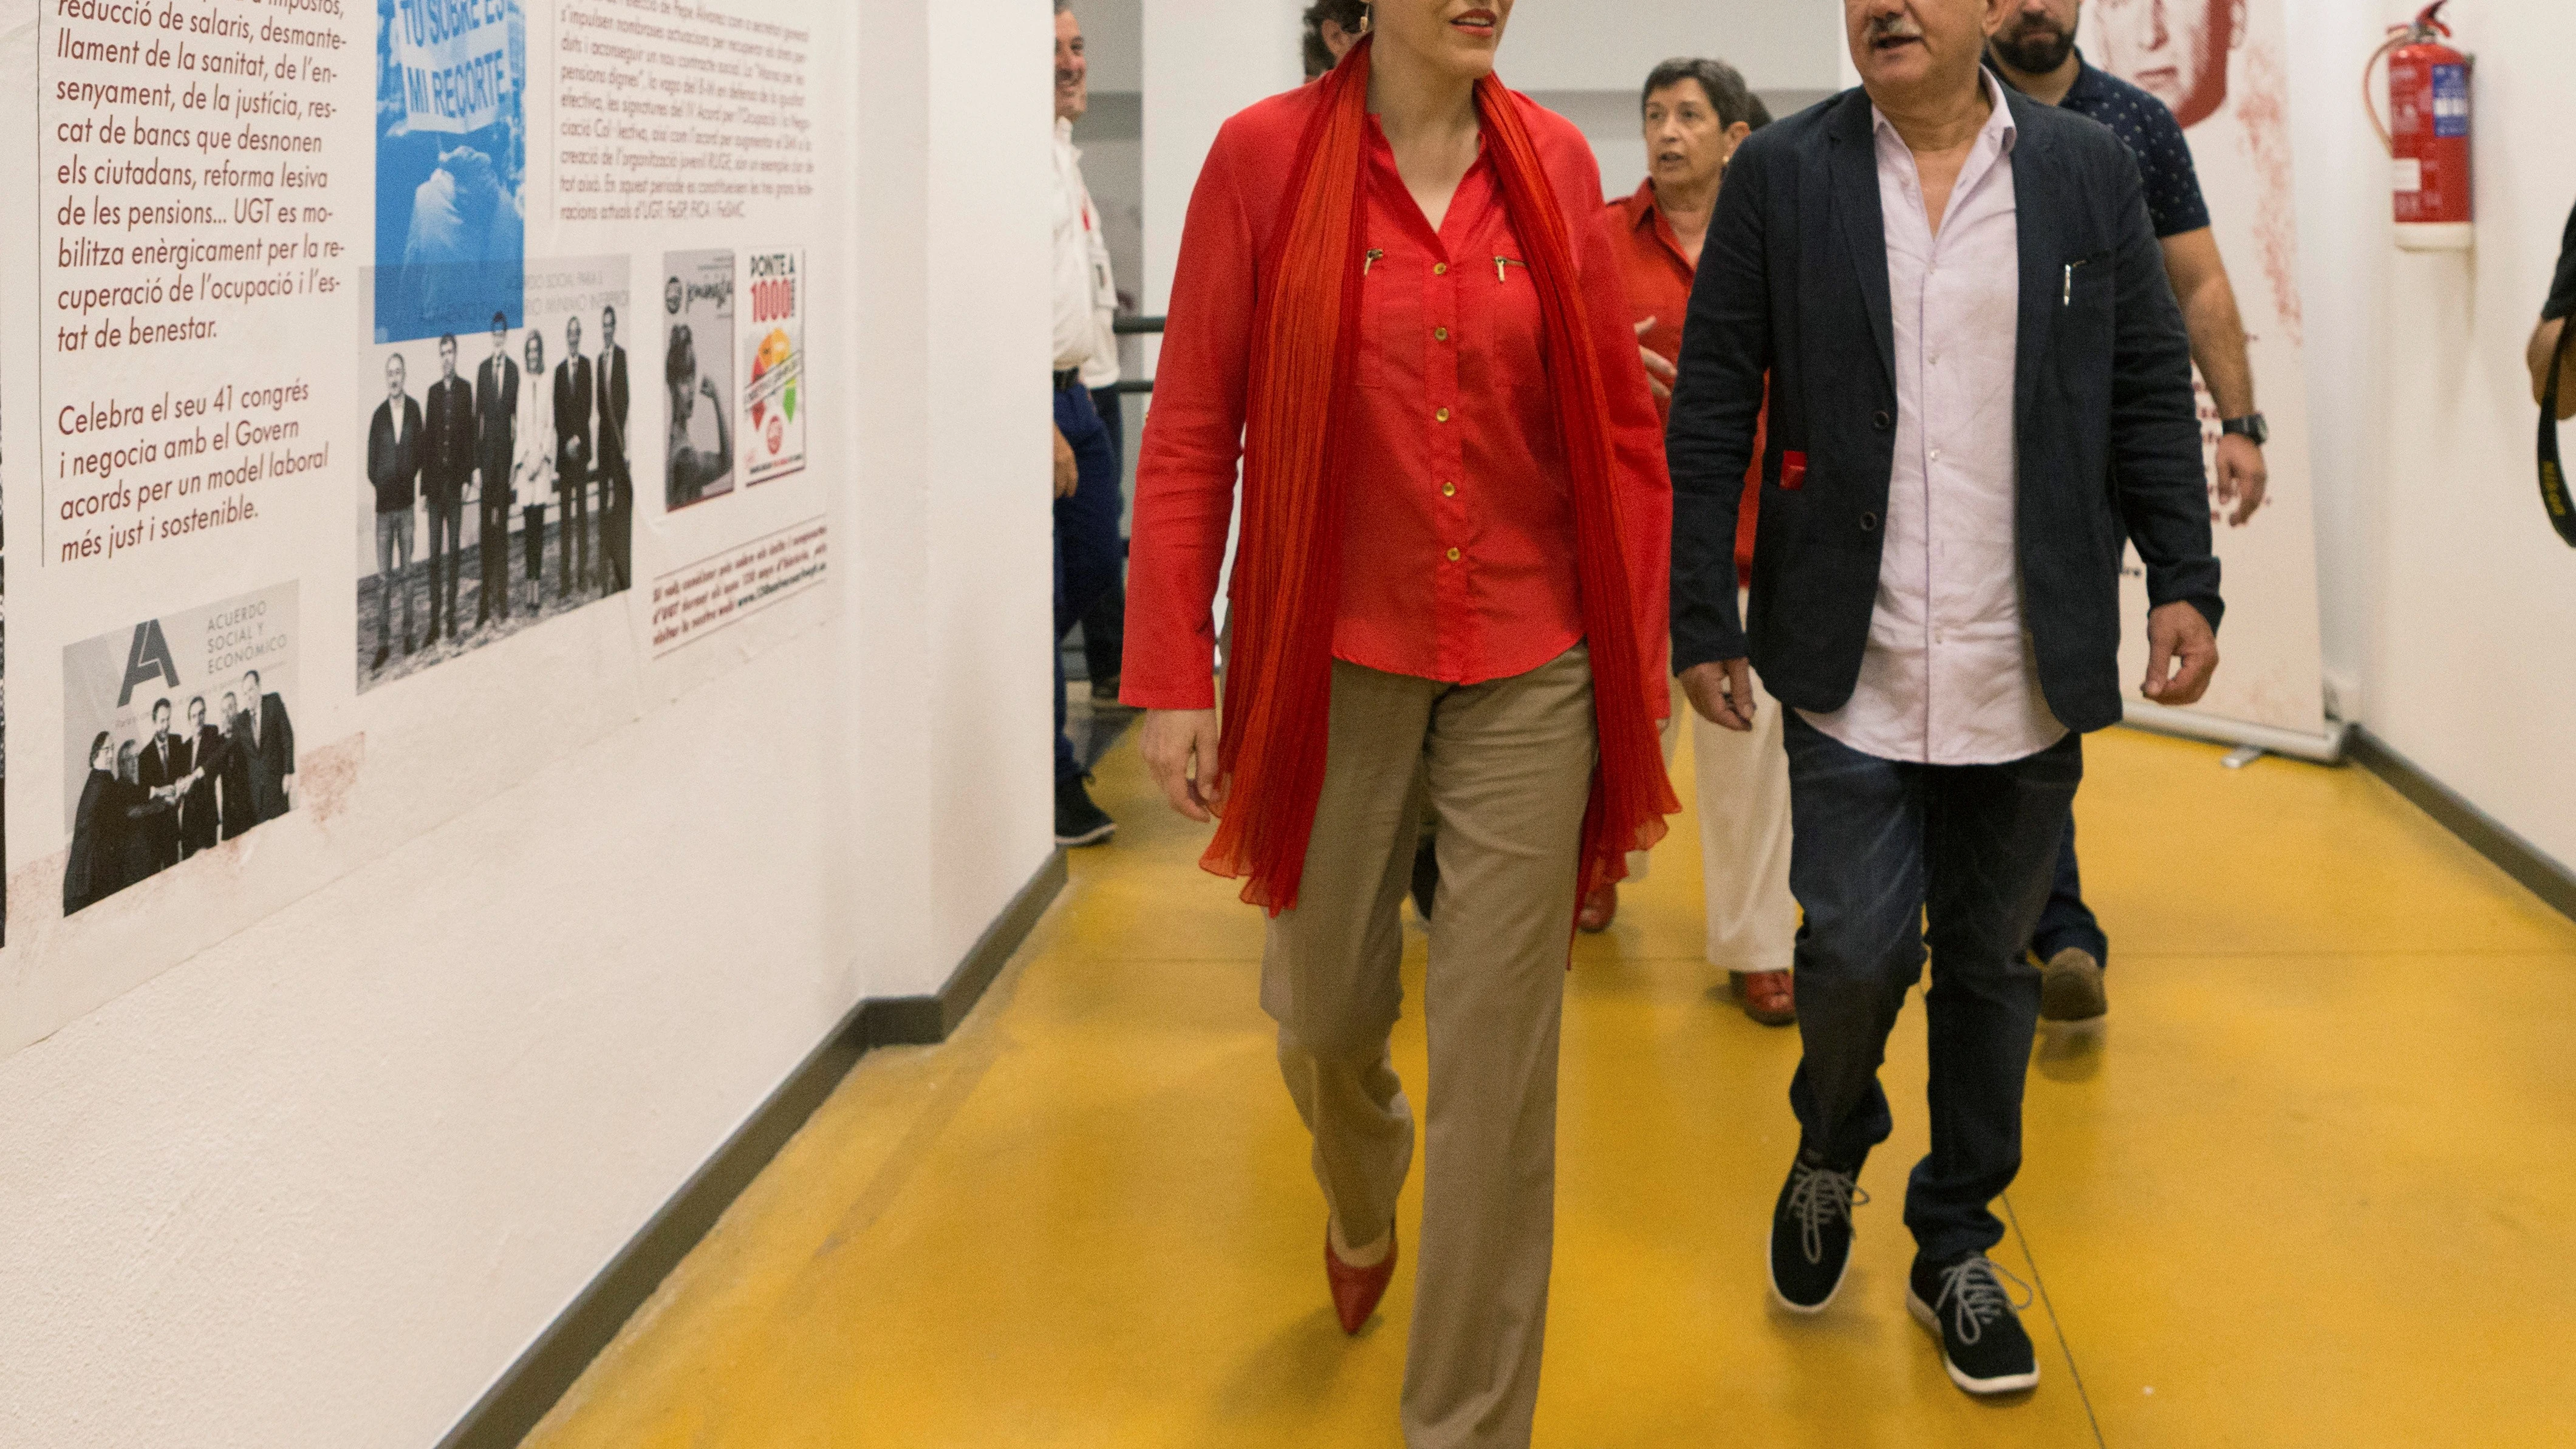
(1076, 329)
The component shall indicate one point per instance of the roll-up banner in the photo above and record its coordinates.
(2220, 65)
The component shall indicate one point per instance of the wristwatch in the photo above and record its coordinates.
(2250, 427)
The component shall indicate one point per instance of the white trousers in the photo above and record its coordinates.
(1743, 800)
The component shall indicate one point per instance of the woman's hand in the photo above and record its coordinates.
(1180, 749)
(1660, 374)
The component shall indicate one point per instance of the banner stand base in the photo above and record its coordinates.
(2324, 749)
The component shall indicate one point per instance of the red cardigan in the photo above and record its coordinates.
(1488, 480)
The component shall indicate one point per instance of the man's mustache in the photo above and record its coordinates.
(1895, 27)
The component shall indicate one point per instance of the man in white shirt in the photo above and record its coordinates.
(1980, 381)
(1087, 497)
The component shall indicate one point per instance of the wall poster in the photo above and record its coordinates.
(336, 340)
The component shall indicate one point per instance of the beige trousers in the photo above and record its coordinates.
(1507, 769)
(1743, 800)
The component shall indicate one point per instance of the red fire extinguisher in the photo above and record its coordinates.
(2428, 111)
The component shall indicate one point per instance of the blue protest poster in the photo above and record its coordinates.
(451, 166)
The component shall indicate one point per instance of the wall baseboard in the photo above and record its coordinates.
(547, 1370)
(2535, 868)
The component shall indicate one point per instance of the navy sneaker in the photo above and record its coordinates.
(1983, 1344)
(1079, 822)
(1811, 1235)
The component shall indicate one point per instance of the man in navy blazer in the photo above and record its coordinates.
(1979, 382)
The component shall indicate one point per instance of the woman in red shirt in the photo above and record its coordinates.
(1397, 308)
(1696, 113)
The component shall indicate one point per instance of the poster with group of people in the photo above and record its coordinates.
(357, 342)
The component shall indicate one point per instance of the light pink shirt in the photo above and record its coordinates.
(1949, 677)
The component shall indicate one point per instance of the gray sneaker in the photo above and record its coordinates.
(2070, 987)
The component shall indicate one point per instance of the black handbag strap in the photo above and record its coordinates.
(2553, 473)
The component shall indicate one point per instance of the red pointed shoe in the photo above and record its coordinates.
(1600, 908)
(1356, 1291)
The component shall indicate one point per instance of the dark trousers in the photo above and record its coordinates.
(2068, 922)
(572, 548)
(493, 543)
(1086, 541)
(446, 549)
(616, 524)
(1876, 848)
(1104, 628)
(534, 518)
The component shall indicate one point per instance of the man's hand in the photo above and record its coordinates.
(2243, 478)
(1068, 473)
(2547, 343)
(1660, 374)
(2182, 654)
(1722, 693)
(1180, 748)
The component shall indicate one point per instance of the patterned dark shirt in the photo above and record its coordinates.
(2562, 293)
(2149, 130)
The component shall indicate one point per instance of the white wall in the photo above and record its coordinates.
(321, 1183)
(2447, 599)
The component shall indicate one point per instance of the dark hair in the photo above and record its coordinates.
(161, 704)
(95, 746)
(501, 320)
(1348, 14)
(446, 342)
(680, 359)
(1722, 83)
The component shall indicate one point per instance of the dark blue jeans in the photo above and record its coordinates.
(1086, 541)
(2068, 922)
(1104, 628)
(1877, 847)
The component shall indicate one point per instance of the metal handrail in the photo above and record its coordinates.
(1138, 327)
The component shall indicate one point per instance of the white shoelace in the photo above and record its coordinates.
(1976, 1286)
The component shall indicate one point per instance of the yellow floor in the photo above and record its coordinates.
(2312, 1185)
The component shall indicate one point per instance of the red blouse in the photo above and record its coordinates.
(1659, 277)
(1458, 544)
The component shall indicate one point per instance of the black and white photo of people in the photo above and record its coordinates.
(521, 428)
(184, 785)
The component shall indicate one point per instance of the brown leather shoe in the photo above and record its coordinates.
(1769, 997)
(2070, 988)
(1600, 908)
(1356, 1291)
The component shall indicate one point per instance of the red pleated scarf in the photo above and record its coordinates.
(1287, 590)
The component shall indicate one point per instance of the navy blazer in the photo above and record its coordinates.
(1793, 286)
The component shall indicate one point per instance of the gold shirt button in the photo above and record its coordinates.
(1440, 334)
(1439, 269)
(1448, 490)
(1442, 415)
(1453, 555)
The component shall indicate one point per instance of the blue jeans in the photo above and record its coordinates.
(1876, 847)
(1086, 542)
(2068, 922)
(1104, 628)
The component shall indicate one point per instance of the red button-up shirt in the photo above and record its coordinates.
(1659, 275)
(1458, 538)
